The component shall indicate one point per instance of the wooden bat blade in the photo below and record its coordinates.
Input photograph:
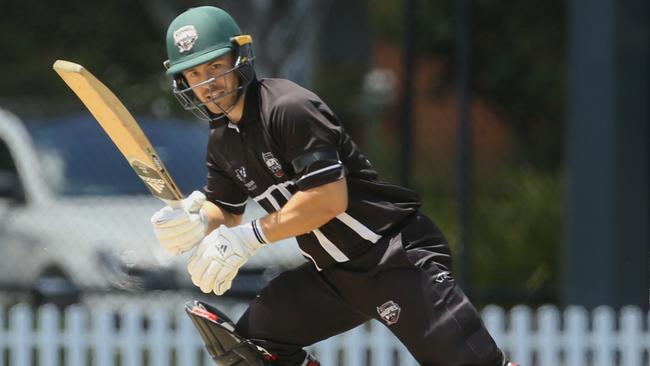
(121, 127)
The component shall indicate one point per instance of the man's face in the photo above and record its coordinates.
(212, 94)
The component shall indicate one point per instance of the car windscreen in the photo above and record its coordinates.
(79, 159)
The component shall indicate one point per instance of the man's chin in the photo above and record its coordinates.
(219, 107)
(216, 109)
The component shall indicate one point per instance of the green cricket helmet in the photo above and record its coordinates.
(200, 35)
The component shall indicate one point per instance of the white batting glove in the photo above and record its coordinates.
(220, 255)
(180, 229)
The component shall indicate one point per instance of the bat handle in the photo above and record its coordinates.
(174, 203)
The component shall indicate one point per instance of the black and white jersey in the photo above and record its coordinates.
(289, 140)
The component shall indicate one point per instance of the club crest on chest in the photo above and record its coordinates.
(273, 164)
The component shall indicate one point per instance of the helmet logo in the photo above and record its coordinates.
(185, 37)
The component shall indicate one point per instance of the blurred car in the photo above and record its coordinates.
(73, 213)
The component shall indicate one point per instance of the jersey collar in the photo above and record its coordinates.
(251, 109)
(251, 105)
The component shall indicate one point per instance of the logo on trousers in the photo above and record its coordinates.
(443, 276)
(389, 312)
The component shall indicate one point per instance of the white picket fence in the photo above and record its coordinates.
(139, 336)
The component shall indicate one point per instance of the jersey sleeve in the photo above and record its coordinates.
(309, 135)
(223, 191)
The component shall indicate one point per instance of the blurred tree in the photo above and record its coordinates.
(123, 44)
(519, 62)
(94, 34)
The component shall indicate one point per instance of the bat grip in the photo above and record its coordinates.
(174, 203)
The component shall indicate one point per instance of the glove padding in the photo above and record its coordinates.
(180, 229)
(220, 255)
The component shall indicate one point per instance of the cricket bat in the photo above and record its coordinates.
(122, 128)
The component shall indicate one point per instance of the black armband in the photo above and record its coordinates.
(317, 168)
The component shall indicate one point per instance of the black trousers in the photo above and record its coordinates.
(404, 282)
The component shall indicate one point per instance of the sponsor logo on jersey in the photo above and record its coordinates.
(185, 37)
(241, 175)
(273, 164)
(389, 312)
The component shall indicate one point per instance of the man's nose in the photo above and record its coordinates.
(208, 88)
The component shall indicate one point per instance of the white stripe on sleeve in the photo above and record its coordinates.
(232, 204)
(327, 168)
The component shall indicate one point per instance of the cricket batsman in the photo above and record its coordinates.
(371, 253)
